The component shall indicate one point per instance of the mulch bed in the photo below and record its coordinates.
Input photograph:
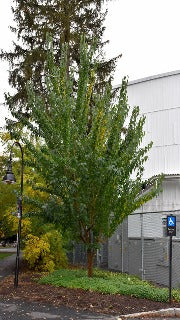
(30, 290)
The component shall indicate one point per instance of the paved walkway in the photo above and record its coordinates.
(7, 265)
(8, 250)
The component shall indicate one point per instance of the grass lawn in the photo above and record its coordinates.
(108, 282)
(4, 255)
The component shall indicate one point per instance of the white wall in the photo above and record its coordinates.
(159, 100)
(168, 202)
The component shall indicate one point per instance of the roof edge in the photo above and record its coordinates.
(149, 78)
(172, 176)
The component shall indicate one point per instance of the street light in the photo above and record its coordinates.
(9, 178)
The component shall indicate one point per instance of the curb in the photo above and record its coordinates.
(10, 250)
(171, 312)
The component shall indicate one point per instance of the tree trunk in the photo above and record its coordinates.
(90, 260)
(67, 31)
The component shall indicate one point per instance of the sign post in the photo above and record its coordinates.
(171, 231)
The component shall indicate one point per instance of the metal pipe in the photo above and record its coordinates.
(19, 202)
(170, 269)
(122, 248)
(142, 246)
(20, 217)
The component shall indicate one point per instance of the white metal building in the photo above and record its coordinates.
(140, 246)
(159, 100)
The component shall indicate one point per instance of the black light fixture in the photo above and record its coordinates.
(9, 178)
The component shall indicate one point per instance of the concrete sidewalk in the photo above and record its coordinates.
(169, 313)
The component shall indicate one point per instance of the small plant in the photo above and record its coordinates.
(110, 283)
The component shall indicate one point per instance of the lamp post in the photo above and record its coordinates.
(9, 178)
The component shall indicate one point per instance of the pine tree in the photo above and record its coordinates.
(65, 21)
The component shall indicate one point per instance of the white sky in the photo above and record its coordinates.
(146, 32)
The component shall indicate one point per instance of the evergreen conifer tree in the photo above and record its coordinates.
(65, 21)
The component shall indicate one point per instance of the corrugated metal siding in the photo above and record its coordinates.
(156, 94)
(159, 101)
(168, 199)
(152, 226)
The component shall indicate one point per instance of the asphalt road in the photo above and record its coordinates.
(20, 310)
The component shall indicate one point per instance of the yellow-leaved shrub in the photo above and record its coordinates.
(1, 234)
(25, 227)
(37, 254)
(45, 253)
(58, 253)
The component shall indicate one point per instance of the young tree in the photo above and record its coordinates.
(7, 200)
(9, 192)
(88, 172)
(35, 231)
(65, 21)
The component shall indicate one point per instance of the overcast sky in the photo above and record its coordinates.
(146, 32)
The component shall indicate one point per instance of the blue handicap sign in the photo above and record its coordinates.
(171, 221)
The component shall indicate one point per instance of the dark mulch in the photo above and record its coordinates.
(30, 290)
